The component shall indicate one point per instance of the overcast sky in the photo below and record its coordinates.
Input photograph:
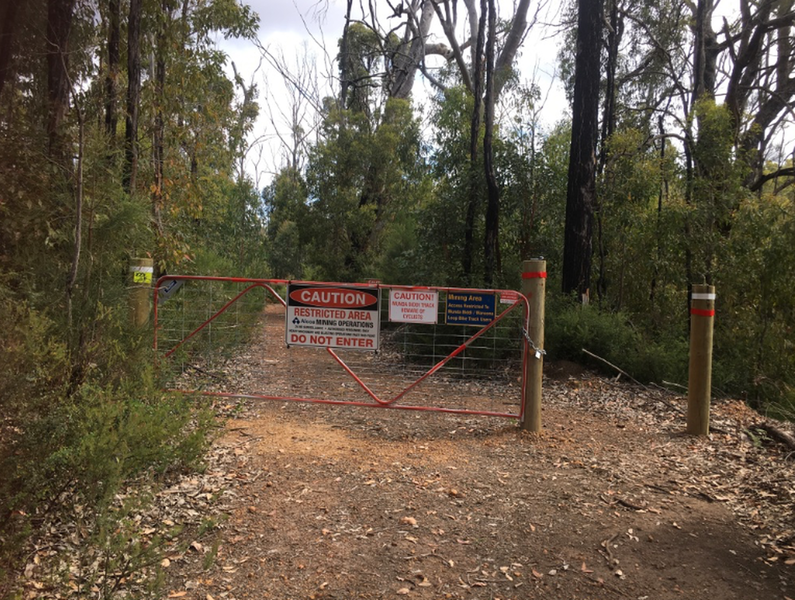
(291, 28)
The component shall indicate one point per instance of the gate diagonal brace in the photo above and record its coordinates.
(357, 379)
(433, 369)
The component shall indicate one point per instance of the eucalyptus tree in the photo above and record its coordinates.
(366, 168)
(716, 89)
(61, 99)
(480, 47)
(72, 210)
(695, 144)
(581, 192)
(484, 76)
(731, 97)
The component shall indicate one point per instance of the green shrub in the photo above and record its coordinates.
(570, 328)
(78, 424)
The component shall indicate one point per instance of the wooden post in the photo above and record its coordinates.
(534, 283)
(141, 270)
(699, 385)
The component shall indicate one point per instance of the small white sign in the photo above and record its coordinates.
(509, 297)
(413, 306)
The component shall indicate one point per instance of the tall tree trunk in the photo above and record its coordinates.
(7, 27)
(581, 191)
(344, 63)
(705, 52)
(609, 112)
(689, 184)
(133, 95)
(608, 127)
(158, 143)
(491, 249)
(529, 201)
(112, 77)
(661, 195)
(411, 53)
(474, 136)
(516, 36)
(59, 24)
(78, 241)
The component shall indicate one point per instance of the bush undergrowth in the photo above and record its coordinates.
(570, 328)
(78, 423)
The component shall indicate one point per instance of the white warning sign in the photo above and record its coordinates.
(332, 316)
(413, 306)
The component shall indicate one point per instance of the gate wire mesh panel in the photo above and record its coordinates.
(203, 324)
(242, 351)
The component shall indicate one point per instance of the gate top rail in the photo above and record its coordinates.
(379, 285)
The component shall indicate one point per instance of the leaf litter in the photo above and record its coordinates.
(301, 501)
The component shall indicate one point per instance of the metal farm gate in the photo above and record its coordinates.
(454, 350)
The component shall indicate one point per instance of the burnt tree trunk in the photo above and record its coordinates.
(474, 133)
(581, 191)
(133, 95)
(491, 250)
(7, 25)
(614, 35)
(59, 24)
(705, 54)
(112, 76)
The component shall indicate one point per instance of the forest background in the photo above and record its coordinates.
(123, 135)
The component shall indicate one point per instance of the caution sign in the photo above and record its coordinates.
(470, 308)
(332, 316)
(413, 306)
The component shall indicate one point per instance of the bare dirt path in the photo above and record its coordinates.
(611, 501)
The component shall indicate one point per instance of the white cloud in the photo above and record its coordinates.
(279, 16)
(291, 29)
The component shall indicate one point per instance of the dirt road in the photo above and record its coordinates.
(611, 501)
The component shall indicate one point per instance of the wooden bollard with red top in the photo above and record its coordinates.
(534, 283)
(699, 384)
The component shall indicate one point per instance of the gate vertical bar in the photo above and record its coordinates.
(534, 283)
(699, 387)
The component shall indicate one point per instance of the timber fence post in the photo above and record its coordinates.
(141, 270)
(534, 283)
(699, 384)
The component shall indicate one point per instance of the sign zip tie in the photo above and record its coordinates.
(538, 352)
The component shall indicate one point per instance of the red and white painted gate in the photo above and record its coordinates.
(455, 350)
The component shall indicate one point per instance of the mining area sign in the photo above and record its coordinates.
(332, 316)
(470, 308)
